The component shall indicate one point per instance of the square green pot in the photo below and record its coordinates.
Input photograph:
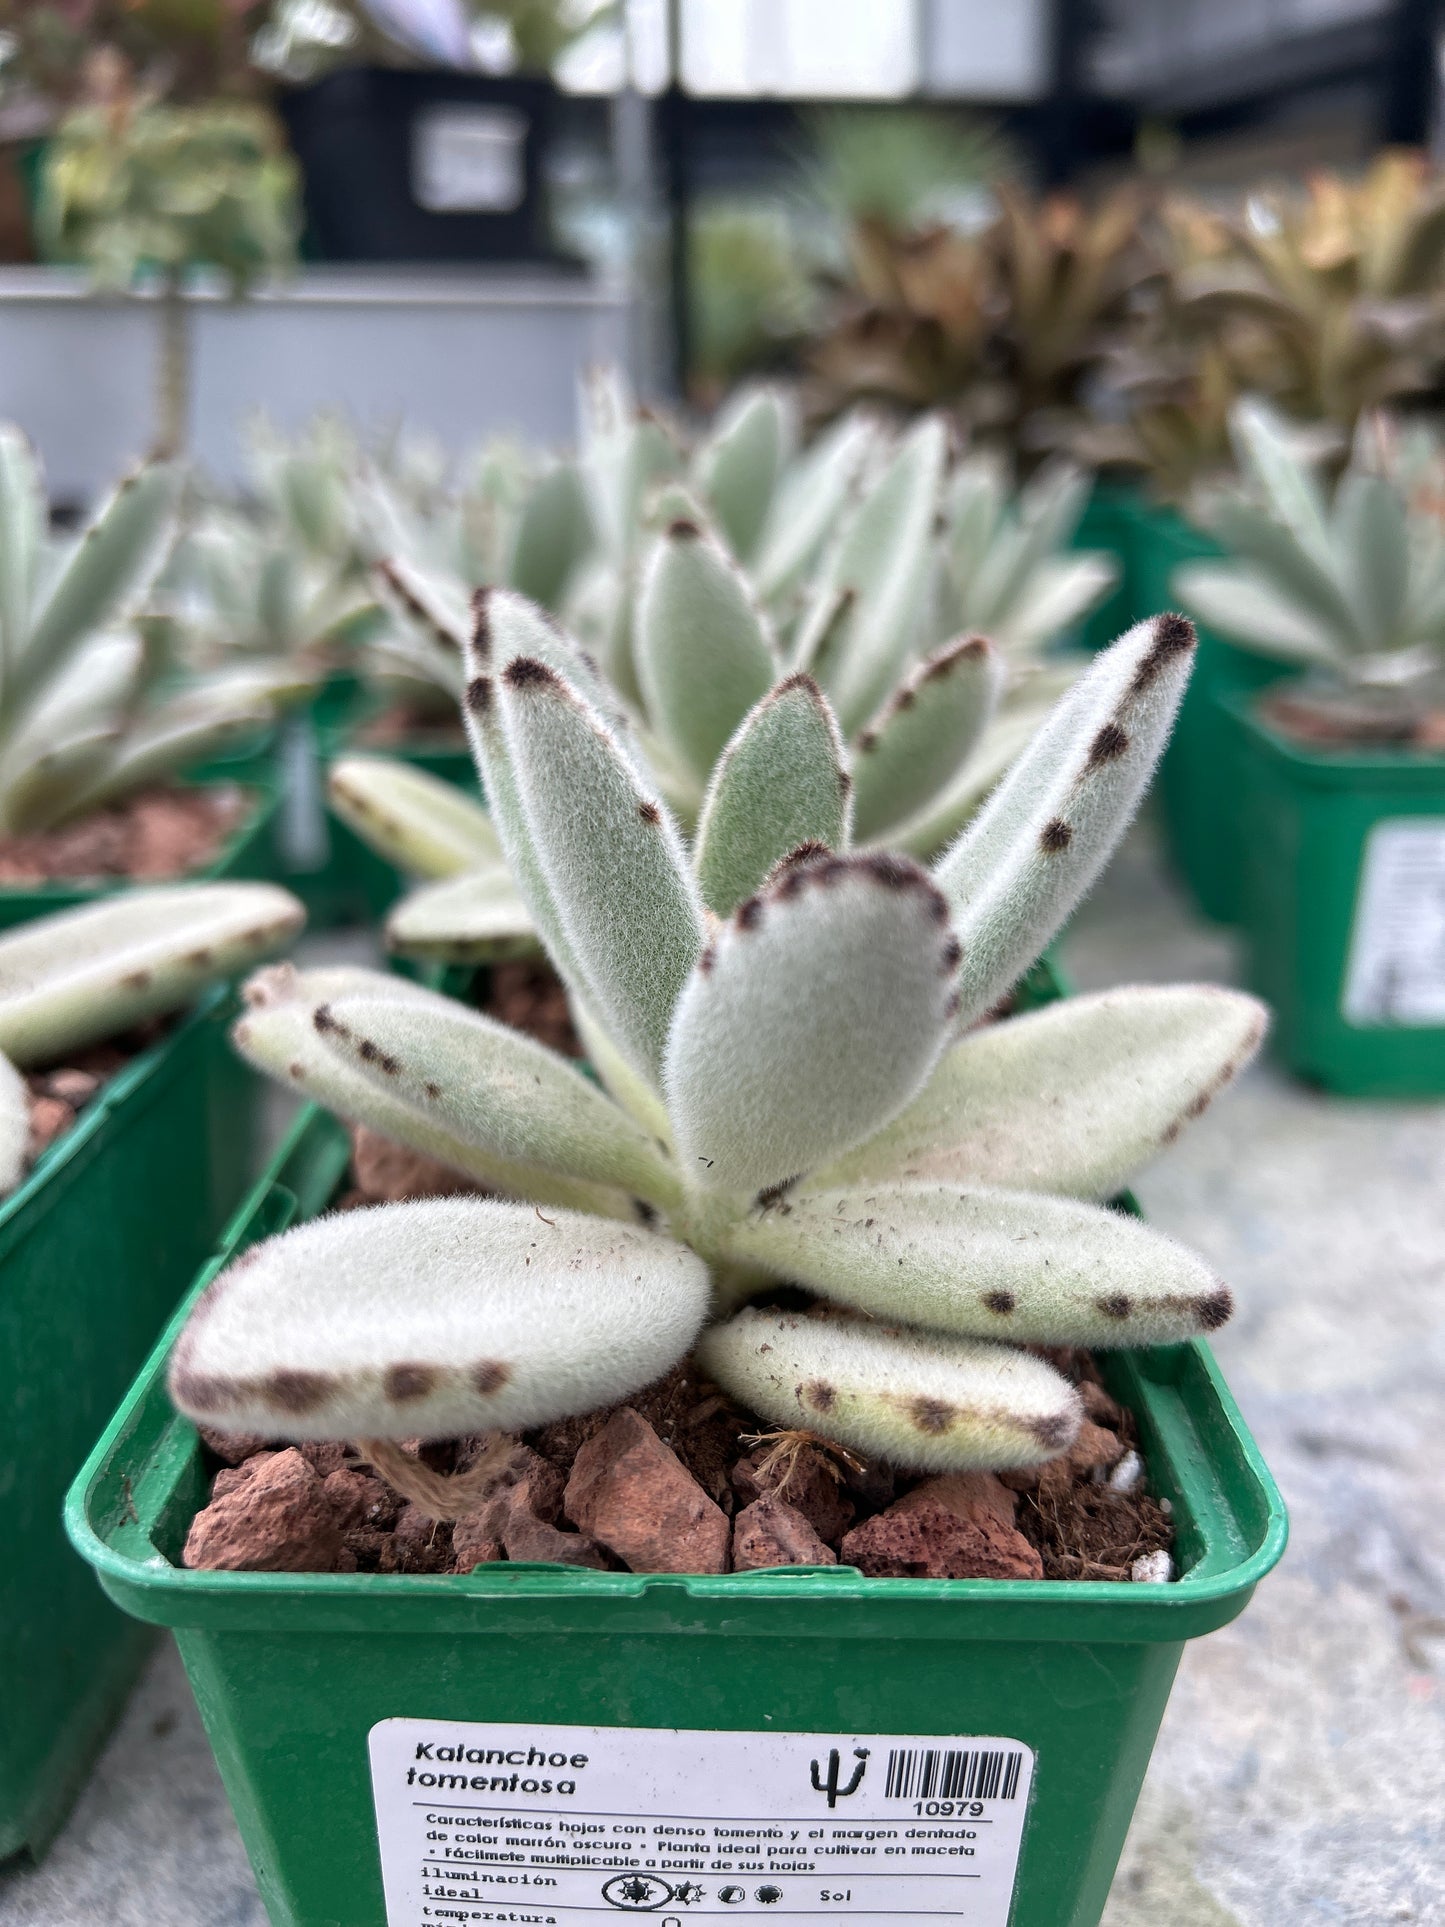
(1199, 779)
(249, 854)
(1110, 523)
(293, 1672)
(95, 1249)
(1344, 908)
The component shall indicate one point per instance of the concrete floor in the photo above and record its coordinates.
(1300, 1775)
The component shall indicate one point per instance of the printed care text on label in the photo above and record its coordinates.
(577, 1826)
(1396, 971)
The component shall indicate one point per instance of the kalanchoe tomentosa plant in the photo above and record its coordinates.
(87, 712)
(1347, 584)
(799, 1087)
(915, 591)
(70, 980)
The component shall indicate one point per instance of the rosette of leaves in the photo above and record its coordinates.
(75, 978)
(1332, 301)
(922, 595)
(1004, 324)
(797, 1086)
(1344, 580)
(90, 708)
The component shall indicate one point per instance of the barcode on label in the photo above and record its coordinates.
(938, 1773)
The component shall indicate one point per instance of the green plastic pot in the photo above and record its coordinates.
(293, 1673)
(1110, 522)
(95, 1249)
(1199, 779)
(250, 853)
(1344, 909)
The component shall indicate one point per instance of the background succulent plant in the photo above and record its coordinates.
(1346, 581)
(921, 594)
(795, 1088)
(71, 979)
(88, 707)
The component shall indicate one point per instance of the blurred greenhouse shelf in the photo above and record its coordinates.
(473, 351)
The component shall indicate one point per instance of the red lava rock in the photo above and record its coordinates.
(633, 1493)
(390, 1174)
(477, 1539)
(524, 1537)
(75, 1087)
(49, 1116)
(277, 1520)
(417, 1543)
(770, 1532)
(807, 1486)
(957, 1527)
(324, 1456)
(233, 1448)
(156, 833)
(359, 1502)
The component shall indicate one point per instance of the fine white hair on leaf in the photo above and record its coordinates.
(1043, 836)
(509, 1319)
(988, 1264)
(427, 827)
(812, 1018)
(923, 1401)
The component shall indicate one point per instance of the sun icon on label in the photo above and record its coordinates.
(637, 1892)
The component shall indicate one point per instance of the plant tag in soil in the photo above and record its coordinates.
(582, 1825)
(1396, 971)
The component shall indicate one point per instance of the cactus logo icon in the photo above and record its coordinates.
(830, 1785)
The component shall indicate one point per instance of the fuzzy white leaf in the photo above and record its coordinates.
(426, 827)
(505, 1321)
(703, 657)
(480, 1082)
(987, 1264)
(883, 557)
(23, 518)
(425, 600)
(1060, 591)
(934, 827)
(1247, 609)
(813, 1018)
(474, 918)
(110, 567)
(1073, 1099)
(1045, 833)
(738, 465)
(1374, 532)
(924, 735)
(80, 975)
(286, 1032)
(553, 534)
(781, 782)
(916, 1400)
(610, 854)
(14, 1126)
(809, 500)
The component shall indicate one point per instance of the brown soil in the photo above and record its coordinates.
(680, 1443)
(402, 724)
(59, 1095)
(151, 836)
(529, 996)
(1345, 720)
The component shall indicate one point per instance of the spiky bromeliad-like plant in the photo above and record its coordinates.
(70, 980)
(88, 709)
(1347, 584)
(799, 1087)
(918, 593)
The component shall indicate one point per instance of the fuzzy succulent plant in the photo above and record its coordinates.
(920, 594)
(806, 1078)
(72, 979)
(90, 708)
(1347, 583)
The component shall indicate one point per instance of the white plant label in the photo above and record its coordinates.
(581, 1826)
(469, 160)
(1396, 972)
